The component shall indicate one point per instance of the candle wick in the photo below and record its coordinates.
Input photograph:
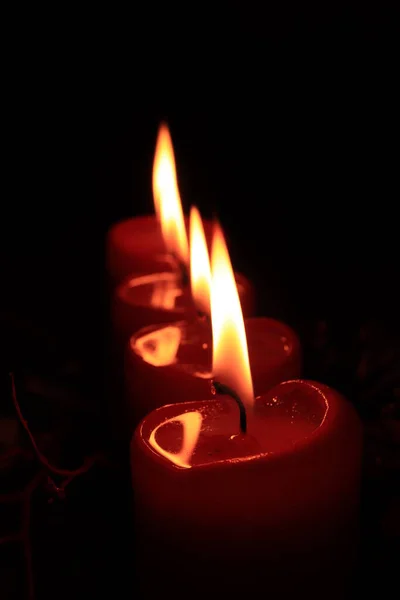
(220, 388)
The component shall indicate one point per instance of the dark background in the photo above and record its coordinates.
(284, 122)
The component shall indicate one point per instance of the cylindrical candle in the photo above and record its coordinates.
(172, 363)
(136, 245)
(225, 514)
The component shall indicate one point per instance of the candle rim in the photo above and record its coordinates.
(292, 337)
(281, 328)
(124, 289)
(125, 286)
(337, 405)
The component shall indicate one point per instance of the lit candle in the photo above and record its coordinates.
(241, 493)
(274, 508)
(172, 363)
(164, 297)
(152, 243)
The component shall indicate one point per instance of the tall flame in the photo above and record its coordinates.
(167, 201)
(231, 364)
(200, 272)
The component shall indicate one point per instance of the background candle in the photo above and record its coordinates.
(270, 511)
(136, 245)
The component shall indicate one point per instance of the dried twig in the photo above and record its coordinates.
(40, 456)
(25, 496)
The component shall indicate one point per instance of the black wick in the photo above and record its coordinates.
(220, 388)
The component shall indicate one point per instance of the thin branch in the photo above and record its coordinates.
(41, 457)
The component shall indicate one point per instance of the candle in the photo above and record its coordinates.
(220, 512)
(146, 244)
(172, 363)
(164, 297)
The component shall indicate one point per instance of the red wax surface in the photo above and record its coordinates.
(146, 299)
(136, 246)
(269, 512)
(274, 352)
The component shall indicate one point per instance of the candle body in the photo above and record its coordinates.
(149, 299)
(272, 510)
(185, 372)
(136, 245)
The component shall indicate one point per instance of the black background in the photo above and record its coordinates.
(284, 122)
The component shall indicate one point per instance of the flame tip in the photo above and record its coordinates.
(167, 200)
(200, 272)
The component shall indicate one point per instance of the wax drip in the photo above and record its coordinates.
(220, 388)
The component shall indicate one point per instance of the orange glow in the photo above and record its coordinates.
(160, 347)
(200, 273)
(165, 292)
(164, 288)
(191, 423)
(167, 201)
(231, 364)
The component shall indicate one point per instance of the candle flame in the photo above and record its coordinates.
(167, 200)
(200, 272)
(231, 364)
(191, 423)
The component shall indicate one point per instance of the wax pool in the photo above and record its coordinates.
(272, 511)
(172, 363)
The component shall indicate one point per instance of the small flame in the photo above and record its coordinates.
(191, 423)
(167, 201)
(231, 364)
(200, 272)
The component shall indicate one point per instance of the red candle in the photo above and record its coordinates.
(163, 297)
(172, 363)
(228, 511)
(136, 245)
